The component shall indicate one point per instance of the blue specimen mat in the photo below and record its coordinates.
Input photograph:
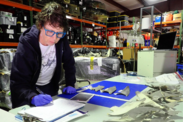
(119, 86)
(109, 102)
(106, 102)
(68, 96)
(97, 100)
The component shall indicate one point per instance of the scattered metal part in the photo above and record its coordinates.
(173, 112)
(160, 94)
(109, 90)
(167, 99)
(160, 120)
(97, 88)
(124, 109)
(166, 87)
(141, 110)
(171, 105)
(147, 99)
(154, 108)
(125, 91)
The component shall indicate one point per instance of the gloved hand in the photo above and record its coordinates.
(41, 99)
(69, 90)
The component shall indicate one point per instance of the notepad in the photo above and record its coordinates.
(53, 111)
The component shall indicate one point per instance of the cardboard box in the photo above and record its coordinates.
(128, 53)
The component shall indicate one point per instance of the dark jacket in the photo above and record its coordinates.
(27, 64)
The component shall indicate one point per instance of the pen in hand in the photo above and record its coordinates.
(41, 92)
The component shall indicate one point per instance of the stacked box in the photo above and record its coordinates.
(114, 13)
(113, 19)
(112, 24)
(123, 23)
(99, 69)
(122, 17)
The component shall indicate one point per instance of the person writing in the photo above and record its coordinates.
(37, 63)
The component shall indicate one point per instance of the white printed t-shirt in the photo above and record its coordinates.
(48, 64)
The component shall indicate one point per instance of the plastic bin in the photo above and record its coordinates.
(110, 67)
(114, 13)
(8, 20)
(112, 24)
(112, 19)
(5, 14)
(123, 17)
(180, 69)
(158, 19)
(123, 23)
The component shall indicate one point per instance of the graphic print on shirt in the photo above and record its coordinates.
(48, 60)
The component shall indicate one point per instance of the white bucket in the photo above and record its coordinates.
(112, 41)
(146, 23)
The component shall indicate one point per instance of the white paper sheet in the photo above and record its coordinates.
(167, 79)
(57, 109)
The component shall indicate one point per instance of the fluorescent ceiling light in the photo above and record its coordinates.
(150, 2)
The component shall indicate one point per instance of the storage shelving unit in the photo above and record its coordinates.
(129, 27)
(30, 8)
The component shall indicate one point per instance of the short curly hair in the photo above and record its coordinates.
(54, 13)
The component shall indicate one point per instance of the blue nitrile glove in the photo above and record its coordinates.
(41, 99)
(69, 90)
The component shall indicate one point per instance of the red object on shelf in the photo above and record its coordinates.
(109, 33)
(147, 36)
(169, 17)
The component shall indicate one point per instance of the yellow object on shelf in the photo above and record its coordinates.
(177, 16)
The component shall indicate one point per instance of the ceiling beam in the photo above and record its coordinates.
(117, 5)
(143, 2)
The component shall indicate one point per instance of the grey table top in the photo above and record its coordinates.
(99, 113)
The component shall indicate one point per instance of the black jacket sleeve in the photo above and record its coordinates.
(22, 72)
(68, 64)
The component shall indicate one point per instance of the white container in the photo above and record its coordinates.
(112, 41)
(157, 62)
(8, 20)
(146, 23)
(5, 14)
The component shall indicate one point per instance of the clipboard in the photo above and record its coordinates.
(82, 97)
(53, 111)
